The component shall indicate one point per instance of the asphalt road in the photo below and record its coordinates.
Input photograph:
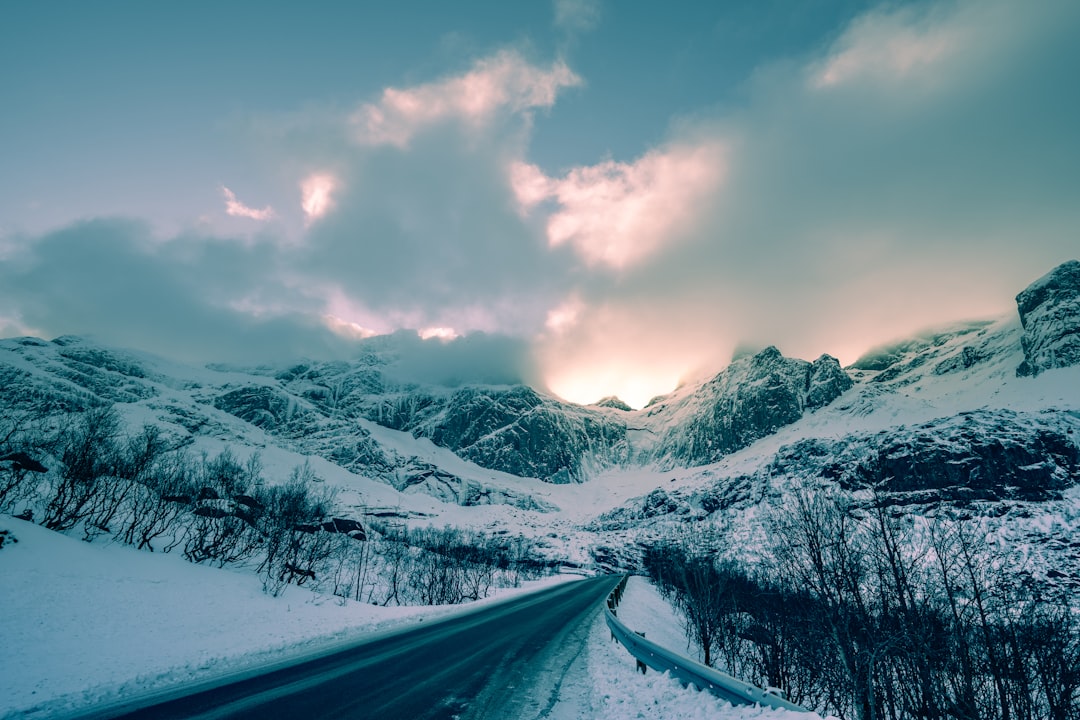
(505, 661)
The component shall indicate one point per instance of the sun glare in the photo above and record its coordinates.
(346, 328)
(442, 333)
(587, 388)
(315, 195)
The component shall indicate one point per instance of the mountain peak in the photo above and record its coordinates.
(612, 401)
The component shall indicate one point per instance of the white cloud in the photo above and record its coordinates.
(236, 208)
(565, 316)
(504, 81)
(890, 45)
(347, 329)
(442, 333)
(919, 171)
(577, 15)
(316, 195)
(618, 214)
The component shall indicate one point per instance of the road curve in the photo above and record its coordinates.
(507, 660)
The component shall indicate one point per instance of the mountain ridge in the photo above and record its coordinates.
(490, 444)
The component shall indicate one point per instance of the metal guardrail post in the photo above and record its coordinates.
(685, 670)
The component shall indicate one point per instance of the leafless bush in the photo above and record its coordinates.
(857, 615)
(88, 453)
(293, 542)
(24, 442)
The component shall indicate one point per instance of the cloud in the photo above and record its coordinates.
(577, 16)
(189, 297)
(617, 214)
(474, 358)
(504, 81)
(891, 45)
(316, 195)
(431, 236)
(200, 299)
(918, 171)
(236, 208)
(565, 315)
(440, 333)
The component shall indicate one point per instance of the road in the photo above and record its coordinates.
(505, 661)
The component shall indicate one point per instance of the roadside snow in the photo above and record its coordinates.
(86, 624)
(619, 691)
(644, 610)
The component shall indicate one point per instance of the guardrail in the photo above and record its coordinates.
(684, 669)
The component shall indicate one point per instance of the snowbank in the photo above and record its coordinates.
(620, 691)
(85, 624)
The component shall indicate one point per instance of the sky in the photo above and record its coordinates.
(598, 197)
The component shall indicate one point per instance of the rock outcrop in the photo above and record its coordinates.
(980, 455)
(1050, 313)
(754, 397)
(513, 428)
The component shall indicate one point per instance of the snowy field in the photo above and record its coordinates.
(88, 624)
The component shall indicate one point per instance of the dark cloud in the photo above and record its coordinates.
(431, 234)
(207, 299)
(475, 358)
(189, 297)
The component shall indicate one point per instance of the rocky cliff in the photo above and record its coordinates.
(1050, 313)
(752, 398)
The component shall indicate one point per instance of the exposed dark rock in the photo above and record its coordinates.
(975, 456)
(900, 357)
(260, 405)
(1050, 313)
(248, 501)
(342, 526)
(512, 428)
(104, 360)
(658, 502)
(676, 505)
(20, 461)
(182, 499)
(613, 402)
(423, 477)
(828, 381)
(966, 358)
(7, 538)
(345, 526)
(207, 493)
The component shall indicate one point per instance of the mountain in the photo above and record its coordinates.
(983, 416)
(754, 397)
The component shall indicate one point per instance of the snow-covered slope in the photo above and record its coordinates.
(944, 416)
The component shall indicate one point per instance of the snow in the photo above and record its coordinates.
(619, 691)
(86, 624)
(643, 609)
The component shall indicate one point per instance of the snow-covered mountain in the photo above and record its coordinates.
(979, 412)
